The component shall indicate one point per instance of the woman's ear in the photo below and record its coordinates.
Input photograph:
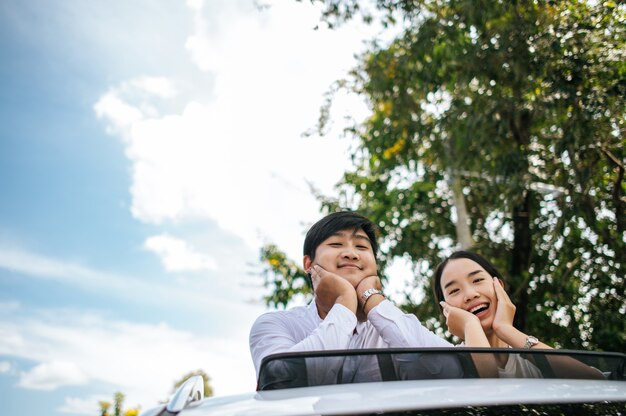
(307, 262)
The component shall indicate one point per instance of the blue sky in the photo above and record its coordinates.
(147, 150)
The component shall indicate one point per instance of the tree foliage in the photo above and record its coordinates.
(283, 276)
(511, 117)
(118, 401)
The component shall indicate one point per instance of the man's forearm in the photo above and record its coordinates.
(401, 330)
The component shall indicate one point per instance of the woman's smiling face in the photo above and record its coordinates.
(468, 286)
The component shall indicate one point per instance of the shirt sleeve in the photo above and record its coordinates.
(402, 330)
(274, 333)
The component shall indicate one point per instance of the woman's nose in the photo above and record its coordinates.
(471, 294)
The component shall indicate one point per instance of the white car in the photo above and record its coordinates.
(434, 381)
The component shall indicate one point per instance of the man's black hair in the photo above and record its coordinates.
(461, 254)
(337, 221)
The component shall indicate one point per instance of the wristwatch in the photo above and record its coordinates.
(369, 293)
(531, 342)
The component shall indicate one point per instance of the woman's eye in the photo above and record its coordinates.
(479, 279)
(362, 247)
(453, 291)
(335, 244)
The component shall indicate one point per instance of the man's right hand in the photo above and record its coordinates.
(330, 289)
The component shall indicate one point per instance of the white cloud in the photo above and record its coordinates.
(51, 375)
(87, 406)
(130, 288)
(199, 47)
(157, 86)
(142, 360)
(114, 105)
(121, 114)
(177, 255)
(195, 4)
(44, 267)
(234, 154)
(5, 367)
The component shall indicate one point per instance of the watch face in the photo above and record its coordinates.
(531, 341)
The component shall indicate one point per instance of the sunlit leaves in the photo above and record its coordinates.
(285, 278)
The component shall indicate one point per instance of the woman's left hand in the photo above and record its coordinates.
(458, 320)
(505, 310)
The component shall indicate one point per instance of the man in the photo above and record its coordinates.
(349, 310)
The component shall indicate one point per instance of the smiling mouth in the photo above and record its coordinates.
(478, 309)
(349, 266)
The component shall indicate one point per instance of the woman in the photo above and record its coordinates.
(470, 289)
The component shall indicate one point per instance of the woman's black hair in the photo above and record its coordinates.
(461, 254)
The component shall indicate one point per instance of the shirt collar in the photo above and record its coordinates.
(313, 311)
(360, 326)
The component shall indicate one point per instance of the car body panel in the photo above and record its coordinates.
(407, 395)
(419, 381)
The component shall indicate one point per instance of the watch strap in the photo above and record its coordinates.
(369, 293)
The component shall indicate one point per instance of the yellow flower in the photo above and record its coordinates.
(395, 149)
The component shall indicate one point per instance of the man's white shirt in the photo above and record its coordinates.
(301, 329)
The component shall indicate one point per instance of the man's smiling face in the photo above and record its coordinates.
(347, 253)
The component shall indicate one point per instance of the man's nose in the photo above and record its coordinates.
(350, 253)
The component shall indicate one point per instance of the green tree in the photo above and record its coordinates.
(104, 407)
(118, 401)
(500, 126)
(283, 275)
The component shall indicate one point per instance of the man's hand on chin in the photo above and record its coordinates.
(370, 282)
(330, 289)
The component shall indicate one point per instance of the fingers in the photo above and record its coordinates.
(317, 273)
(446, 308)
(367, 282)
(499, 289)
(320, 270)
(315, 270)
